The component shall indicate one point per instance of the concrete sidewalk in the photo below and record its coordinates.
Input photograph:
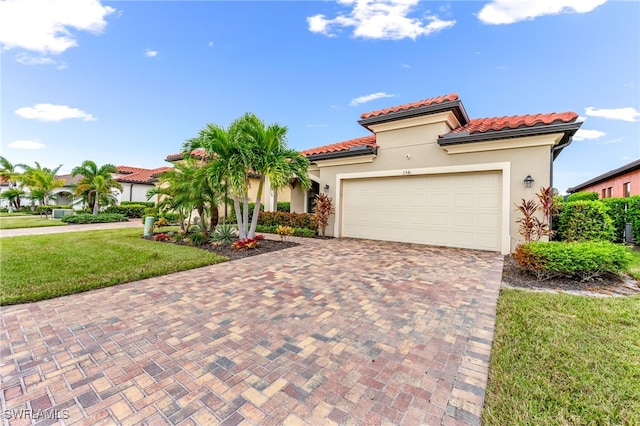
(133, 223)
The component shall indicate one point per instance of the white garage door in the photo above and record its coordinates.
(454, 210)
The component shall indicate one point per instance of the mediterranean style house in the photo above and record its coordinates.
(428, 173)
(619, 183)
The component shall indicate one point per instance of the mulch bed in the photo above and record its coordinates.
(514, 276)
(266, 246)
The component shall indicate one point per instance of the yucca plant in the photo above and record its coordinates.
(225, 233)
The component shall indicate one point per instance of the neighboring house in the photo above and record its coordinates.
(429, 174)
(269, 197)
(621, 182)
(137, 181)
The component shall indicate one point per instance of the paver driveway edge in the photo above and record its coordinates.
(330, 332)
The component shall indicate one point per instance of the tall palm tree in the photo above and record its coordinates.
(249, 147)
(96, 182)
(41, 181)
(9, 174)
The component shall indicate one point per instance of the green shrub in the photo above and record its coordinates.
(134, 203)
(172, 218)
(616, 208)
(294, 220)
(582, 196)
(129, 210)
(48, 208)
(297, 232)
(197, 238)
(582, 260)
(224, 233)
(89, 218)
(585, 221)
(633, 215)
(284, 206)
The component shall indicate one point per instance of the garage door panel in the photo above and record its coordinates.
(457, 210)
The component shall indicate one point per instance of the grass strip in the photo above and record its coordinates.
(562, 359)
(28, 222)
(45, 266)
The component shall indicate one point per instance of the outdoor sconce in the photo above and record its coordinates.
(326, 187)
(528, 181)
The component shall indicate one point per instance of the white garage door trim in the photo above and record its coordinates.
(504, 168)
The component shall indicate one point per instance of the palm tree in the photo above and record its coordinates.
(188, 187)
(96, 182)
(249, 147)
(41, 181)
(9, 174)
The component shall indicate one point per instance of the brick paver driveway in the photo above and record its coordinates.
(329, 332)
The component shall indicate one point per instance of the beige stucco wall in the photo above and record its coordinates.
(415, 149)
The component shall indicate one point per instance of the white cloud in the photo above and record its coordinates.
(211, 44)
(379, 19)
(583, 134)
(369, 98)
(26, 59)
(27, 145)
(624, 114)
(510, 11)
(45, 25)
(150, 53)
(49, 112)
(407, 66)
(610, 141)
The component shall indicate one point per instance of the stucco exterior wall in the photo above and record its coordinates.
(134, 192)
(416, 147)
(617, 185)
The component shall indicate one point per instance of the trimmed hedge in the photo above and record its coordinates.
(284, 206)
(142, 203)
(582, 196)
(584, 260)
(129, 210)
(585, 221)
(297, 232)
(294, 220)
(47, 208)
(89, 218)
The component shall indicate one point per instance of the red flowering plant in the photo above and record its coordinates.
(247, 243)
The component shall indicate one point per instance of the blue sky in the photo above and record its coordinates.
(127, 82)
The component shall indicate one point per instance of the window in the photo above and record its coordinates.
(626, 189)
(604, 192)
(610, 192)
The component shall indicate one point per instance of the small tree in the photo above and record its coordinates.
(323, 205)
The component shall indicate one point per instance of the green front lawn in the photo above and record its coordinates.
(559, 359)
(45, 266)
(28, 222)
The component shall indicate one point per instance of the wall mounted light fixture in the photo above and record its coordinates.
(528, 181)
(326, 187)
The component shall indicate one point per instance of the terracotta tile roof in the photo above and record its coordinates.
(366, 141)
(138, 175)
(425, 102)
(482, 125)
(69, 179)
(198, 152)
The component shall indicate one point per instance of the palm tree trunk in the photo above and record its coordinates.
(214, 216)
(236, 207)
(203, 223)
(96, 204)
(256, 209)
(245, 214)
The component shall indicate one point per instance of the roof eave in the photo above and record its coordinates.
(569, 129)
(342, 154)
(455, 106)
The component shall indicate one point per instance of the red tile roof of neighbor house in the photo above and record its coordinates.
(482, 125)
(423, 103)
(198, 152)
(139, 175)
(369, 141)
